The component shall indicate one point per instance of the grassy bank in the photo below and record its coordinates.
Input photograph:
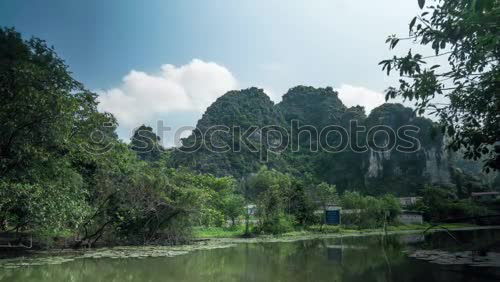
(219, 232)
(239, 231)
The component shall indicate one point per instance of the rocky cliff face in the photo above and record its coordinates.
(221, 152)
(437, 166)
(373, 171)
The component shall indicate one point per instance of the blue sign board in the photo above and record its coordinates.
(332, 217)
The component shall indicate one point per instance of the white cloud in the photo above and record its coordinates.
(273, 95)
(357, 95)
(142, 96)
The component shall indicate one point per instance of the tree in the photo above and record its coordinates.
(45, 208)
(325, 194)
(273, 194)
(391, 207)
(368, 211)
(233, 206)
(46, 119)
(264, 179)
(467, 33)
(37, 102)
(271, 211)
(440, 203)
(146, 144)
(302, 205)
(435, 201)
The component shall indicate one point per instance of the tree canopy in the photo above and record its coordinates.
(467, 33)
(146, 144)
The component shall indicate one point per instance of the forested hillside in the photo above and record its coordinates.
(307, 108)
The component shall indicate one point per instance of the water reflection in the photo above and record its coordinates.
(372, 258)
(334, 254)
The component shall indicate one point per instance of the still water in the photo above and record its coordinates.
(371, 258)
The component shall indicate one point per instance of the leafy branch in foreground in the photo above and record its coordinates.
(467, 32)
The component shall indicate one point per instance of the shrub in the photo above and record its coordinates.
(277, 225)
(211, 217)
(368, 211)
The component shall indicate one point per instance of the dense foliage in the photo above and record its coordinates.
(440, 203)
(146, 144)
(64, 172)
(47, 119)
(368, 211)
(466, 32)
(306, 111)
(219, 153)
(284, 201)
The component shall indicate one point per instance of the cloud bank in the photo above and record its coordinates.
(142, 96)
(357, 95)
(181, 93)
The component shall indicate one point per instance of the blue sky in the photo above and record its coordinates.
(174, 50)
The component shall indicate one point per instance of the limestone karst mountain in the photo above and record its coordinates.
(304, 108)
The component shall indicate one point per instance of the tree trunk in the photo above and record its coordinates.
(247, 218)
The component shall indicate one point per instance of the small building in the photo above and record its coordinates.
(410, 217)
(251, 209)
(332, 215)
(485, 196)
(408, 201)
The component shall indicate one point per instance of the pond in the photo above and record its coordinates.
(465, 256)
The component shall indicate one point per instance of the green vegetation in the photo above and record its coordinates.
(368, 211)
(146, 144)
(371, 172)
(219, 232)
(64, 173)
(46, 120)
(440, 203)
(466, 33)
(66, 178)
(318, 230)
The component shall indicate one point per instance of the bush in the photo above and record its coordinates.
(42, 208)
(211, 217)
(440, 203)
(368, 211)
(277, 225)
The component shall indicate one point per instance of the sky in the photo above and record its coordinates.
(169, 60)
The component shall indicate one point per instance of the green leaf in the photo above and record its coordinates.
(412, 23)
(393, 43)
(421, 3)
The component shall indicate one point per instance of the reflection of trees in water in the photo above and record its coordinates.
(474, 240)
(296, 261)
(371, 258)
(79, 270)
(378, 257)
